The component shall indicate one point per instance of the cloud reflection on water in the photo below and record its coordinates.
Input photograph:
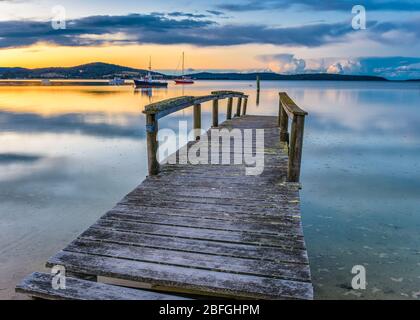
(360, 175)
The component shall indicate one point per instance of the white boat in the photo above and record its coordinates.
(116, 82)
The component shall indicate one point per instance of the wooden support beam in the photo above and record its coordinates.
(229, 109)
(152, 144)
(238, 108)
(215, 113)
(283, 124)
(245, 106)
(295, 148)
(197, 121)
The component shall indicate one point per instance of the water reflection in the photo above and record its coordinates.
(68, 154)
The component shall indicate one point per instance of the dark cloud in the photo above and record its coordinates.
(69, 123)
(187, 15)
(215, 12)
(134, 127)
(333, 5)
(396, 32)
(158, 29)
(9, 158)
(138, 27)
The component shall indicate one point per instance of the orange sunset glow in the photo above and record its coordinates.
(136, 56)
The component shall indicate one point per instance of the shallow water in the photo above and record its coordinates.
(68, 154)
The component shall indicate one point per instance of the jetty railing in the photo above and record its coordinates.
(289, 110)
(158, 110)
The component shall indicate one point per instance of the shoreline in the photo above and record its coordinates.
(129, 82)
(58, 82)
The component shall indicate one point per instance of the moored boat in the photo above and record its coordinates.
(148, 81)
(183, 79)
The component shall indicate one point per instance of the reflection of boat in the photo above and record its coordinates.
(183, 79)
(148, 82)
(147, 92)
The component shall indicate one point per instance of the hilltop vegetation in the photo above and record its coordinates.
(99, 70)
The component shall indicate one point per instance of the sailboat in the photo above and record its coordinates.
(148, 82)
(183, 79)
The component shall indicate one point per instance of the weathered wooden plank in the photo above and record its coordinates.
(205, 281)
(170, 242)
(220, 207)
(140, 197)
(276, 194)
(138, 209)
(270, 269)
(175, 190)
(266, 228)
(193, 181)
(269, 226)
(38, 285)
(283, 239)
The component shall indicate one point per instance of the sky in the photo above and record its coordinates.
(289, 37)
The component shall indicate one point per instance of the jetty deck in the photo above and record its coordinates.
(202, 229)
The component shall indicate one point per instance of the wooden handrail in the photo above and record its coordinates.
(226, 94)
(158, 110)
(290, 106)
(168, 106)
(289, 110)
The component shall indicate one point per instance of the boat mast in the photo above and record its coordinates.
(149, 74)
(183, 63)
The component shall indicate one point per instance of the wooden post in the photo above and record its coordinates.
(258, 83)
(283, 124)
(295, 148)
(215, 113)
(197, 121)
(238, 108)
(245, 105)
(152, 144)
(229, 109)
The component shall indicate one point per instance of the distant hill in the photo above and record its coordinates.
(276, 76)
(99, 70)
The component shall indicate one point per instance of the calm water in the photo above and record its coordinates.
(68, 154)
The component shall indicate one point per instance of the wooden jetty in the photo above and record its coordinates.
(201, 229)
